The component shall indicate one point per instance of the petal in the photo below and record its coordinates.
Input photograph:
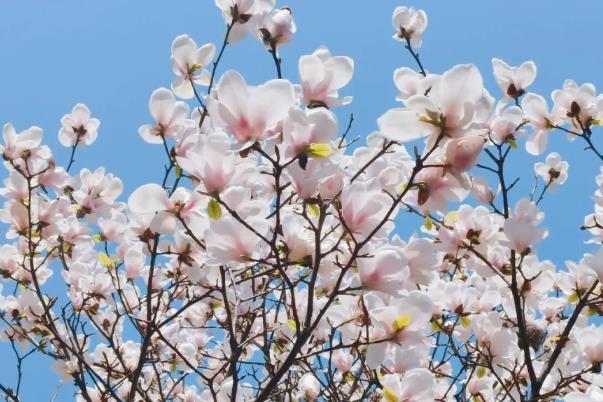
(342, 69)
(206, 53)
(161, 105)
(536, 143)
(401, 125)
(526, 74)
(233, 92)
(534, 107)
(184, 51)
(182, 88)
(311, 69)
(272, 101)
(147, 199)
(461, 84)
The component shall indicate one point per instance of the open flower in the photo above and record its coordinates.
(189, 63)
(536, 112)
(386, 271)
(322, 76)
(170, 117)
(250, 112)
(553, 171)
(409, 24)
(276, 28)
(514, 80)
(78, 127)
(448, 110)
(238, 13)
(521, 230)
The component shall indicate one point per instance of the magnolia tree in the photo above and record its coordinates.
(264, 264)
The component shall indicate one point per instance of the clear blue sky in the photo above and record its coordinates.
(112, 54)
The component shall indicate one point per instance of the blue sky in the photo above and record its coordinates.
(112, 54)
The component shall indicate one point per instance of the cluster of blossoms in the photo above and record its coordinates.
(266, 264)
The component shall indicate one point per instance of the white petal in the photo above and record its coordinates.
(342, 68)
(148, 198)
(401, 125)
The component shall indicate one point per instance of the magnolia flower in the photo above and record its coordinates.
(79, 128)
(404, 322)
(520, 228)
(248, 112)
(276, 28)
(536, 112)
(514, 81)
(322, 76)
(170, 117)
(229, 241)
(417, 385)
(578, 104)
(435, 189)
(590, 341)
(152, 201)
(463, 153)
(189, 63)
(409, 25)
(25, 145)
(505, 125)
(448, 111)
(363, 206)
(305, 127)
(238, 13)
(385, 272)
(480, 190)
(553, 171)
(595, 262)
(210, 161)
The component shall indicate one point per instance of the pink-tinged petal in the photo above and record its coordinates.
(342, 68)
(148, 199)
(161, 105)
(526, 74)
(233, 92)
(401, 125)
(460, 85)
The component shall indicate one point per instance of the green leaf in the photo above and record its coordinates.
(213, 210)
(313, 209)
(428, 222)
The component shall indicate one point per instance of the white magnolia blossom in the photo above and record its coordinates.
(280, 254)
(79, 127)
